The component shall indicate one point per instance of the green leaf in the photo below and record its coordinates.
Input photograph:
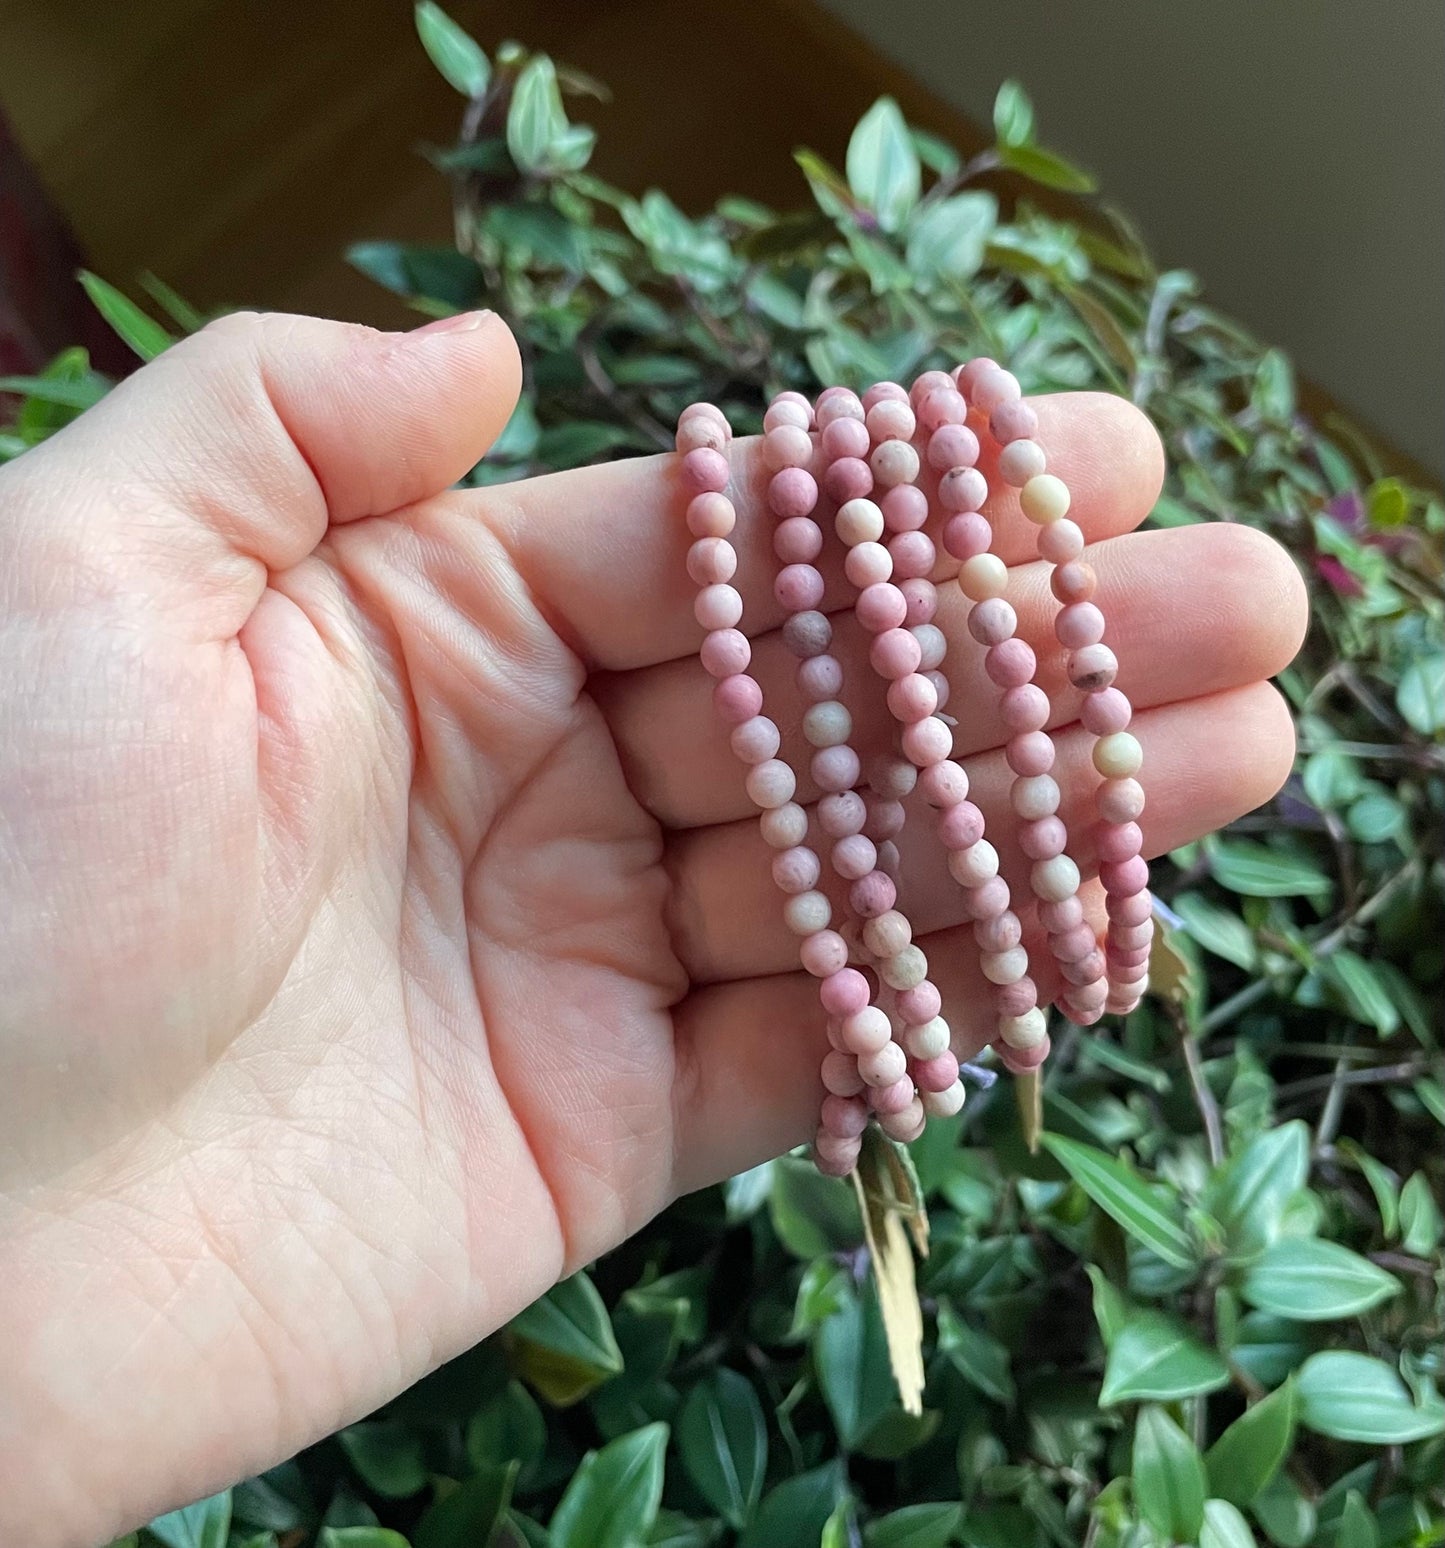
(850, 1354)
(882, 164)
(1154, 1358)
(1363, 991)
(205, 1524)
(360, 1537)
(535, 118)
(612, 1499)
(746, 1193)
(1218, 930)
(1285, 1513)
(387, 1455)
(468, 1516)
(1274, 395)
(1224, 1527)
(812, 1214)
(144, 335)
(508, 1427)
(947, 240)
(1252, 1450)
(1387, 503)
(1041, 166)
(457, 56)
(1420, 1221)
(723, 1441)
(1121, 1193)
(1381, 1181)
(1357, 1527)
(1111, 1308)
(174, 305)
(1355, 1397)
(1249, 1194)
(564, 1343)
(438, 274)
(1268, 1348)
(915, 1526)
(1420, 697)
(1331, 778)
(1257, 872)
(793, 1514)
(1310, 1280)
(80, 392)
(1013, 115)
(979, 1358)
(1168, 1473)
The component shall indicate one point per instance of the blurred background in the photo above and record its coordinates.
(1290, 153)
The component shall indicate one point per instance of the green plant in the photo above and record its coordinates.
(1211, 1309)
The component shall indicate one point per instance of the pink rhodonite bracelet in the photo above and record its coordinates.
(890, 1057)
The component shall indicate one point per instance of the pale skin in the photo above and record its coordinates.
(385, 936)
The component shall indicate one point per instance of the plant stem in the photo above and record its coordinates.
(1203, 1096)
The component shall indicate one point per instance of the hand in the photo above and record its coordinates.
(385, 934)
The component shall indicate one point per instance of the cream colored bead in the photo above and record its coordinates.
(1026, 1031)
(904, 1126)
(867, 1030)
(929, 1040)
(1044, 498)
(1033, 796)
(1054, 880)
(807, 912)
(888, 934)
(1004, 967)
(905, 969)
(884, 1065)
(943, 1104)
(827, 724)
(858, 521)
(973, 866)
(1118, 756)
(784, 826)
(982, 577)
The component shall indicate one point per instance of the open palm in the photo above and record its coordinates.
(384, 933)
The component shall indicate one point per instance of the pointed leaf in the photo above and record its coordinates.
(1355, 1397)
(1251, 1451)
(1154, 1358)
(143, 334)
(723, 1441)
(1168, 1474)
(882, 165)
(1224, 1527)
(612, 1499)
(1013, 115)
(1122, 1193)
(535, 118)
(793, 1515)
(564, 1344)
(205, 1524)
(1311, 1280)
(915, 1526)
(1248, 1196)
(850, 1354)
(457, 56)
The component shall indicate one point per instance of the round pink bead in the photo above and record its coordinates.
(967, 535)
(807, 634)
(1017, 998)
(819, 678)
(1073, 945)
(1126, 961)
(1130, 937)
(1000, 933)
(697, 430)
(960, 826)
(788, 395)
(1105, 712)
(962, 489)
(1011, 664)
(913, 555)
(1079, 624)
(881, 392)
(894, 462)
(725, 652)
(788, 446)
(1030, 753)
(1085, 970)
(792, 492)
(842, 812)
(943, 408)
(880, 607)
(1018, 1061)
(849, 478)
(844, 993)
(835, 768)
(705, 470)
(1043, 838)
(945, 784)
(904, 507)
(823, 953)
(736, 699)
(1120, 800)
(872, 895)
(1117, 842)
(993, 389)
(838, 1157)
(919, 1005)
(785, 412)
(893, 1098)
(797, 540)
(847, 1117)
(1025, 708)
(840, 1074)
(992, 621)
(911, 698)
(1014, 421)
(868, 564)
(891, 420)
(796, 870)
(931, 640)
(968, 375)
(1020, 461)
(1075, 582)
(984, 901)
(798, 587)
(920, 597)
(927, 382)
(1060, 542)
(837, 403)
(1125, 876)
(711, 515)
(755, 740)
(894, 654)
(927, 741)
(718, 607)
(1066, 914)
(1092, 668)
(952, 446)
(885, 819)
(711, 560)
(845, 438)
(854, 857)
(937, 1073)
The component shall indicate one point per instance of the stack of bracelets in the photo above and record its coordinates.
(891, 1056)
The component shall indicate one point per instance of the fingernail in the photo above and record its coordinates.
(463, 322)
